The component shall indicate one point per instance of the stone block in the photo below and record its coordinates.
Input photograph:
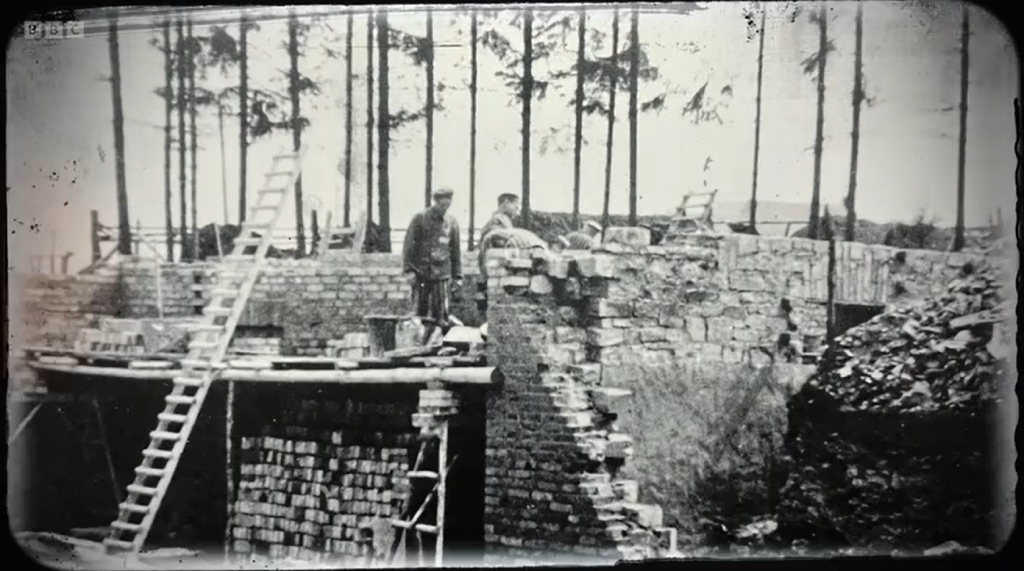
(646, 515)
(627, 491)
(653, 334)
(747, 281)
(620, 446)
(600, 266)
(557, 267)
(719, 329)
(609, 400)
(605, 308)
(540, 285)
(635, 237)
(697, 329)
(605, 337)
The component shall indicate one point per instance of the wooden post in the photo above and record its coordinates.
(442, 475)
(159, 289)
(216, 232)
(94, 234)
(53, 252)
(830, 319)
(229, 424)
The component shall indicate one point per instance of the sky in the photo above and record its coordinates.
(60, 151)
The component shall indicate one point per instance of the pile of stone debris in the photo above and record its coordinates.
(945, 353)
(891, 445)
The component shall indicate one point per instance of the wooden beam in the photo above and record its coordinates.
(454, 375)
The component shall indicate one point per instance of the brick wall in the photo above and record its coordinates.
(312, 301)
(554, 452)
(324, 463)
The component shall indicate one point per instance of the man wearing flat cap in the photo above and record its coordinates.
(433, 259)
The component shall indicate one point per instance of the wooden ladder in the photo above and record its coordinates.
(439, 437)
(207, 349)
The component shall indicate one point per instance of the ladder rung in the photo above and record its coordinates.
(248, 241)
(202, 327)
(401, 524)
(277, 190)
(172, 417)
(210, 310)
(286, 156)
(426, 474)
(118, 543)
(149, 471)
(163, 435)
(152, 453)
(176, 399)
(225, 292)
(142, 490)
(187, 382)
(126, 526)
(273, 174)
(136, 508)
(264, 207)
(426, 528)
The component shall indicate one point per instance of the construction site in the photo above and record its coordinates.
(661, 387)
(292, 409)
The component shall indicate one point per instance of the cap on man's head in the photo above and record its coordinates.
(443, 193)
(593, 225)
(507, 197)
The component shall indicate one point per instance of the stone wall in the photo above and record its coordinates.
(692, 330)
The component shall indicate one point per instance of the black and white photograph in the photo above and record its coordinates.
(511, 285)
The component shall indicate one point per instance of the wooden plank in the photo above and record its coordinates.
(401, 375)
(152, 365)
(103, 354)
(409, 352)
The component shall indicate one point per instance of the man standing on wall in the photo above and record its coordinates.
(432, 259)
(502, 219)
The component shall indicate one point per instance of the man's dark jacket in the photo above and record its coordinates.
(432, 248)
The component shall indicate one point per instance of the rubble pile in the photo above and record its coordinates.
(891, 444)
(942, 354)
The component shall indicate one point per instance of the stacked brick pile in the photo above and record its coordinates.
(554, 453)
(310, 488)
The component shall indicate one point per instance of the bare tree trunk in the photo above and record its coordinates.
(194, 234)
(369, 118)
(611, 128)
(293, 91)
(858, 99)
(577, 156)
(634, 67)
(527, 95)
(348, 120)
(965, 35)
(819, 124)
(124, 231)
(757, 125)
(223, 162)
(168, 105)
(383, 137)
(243, 116)
(473, 31)
(429, 190)
(182, 73)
